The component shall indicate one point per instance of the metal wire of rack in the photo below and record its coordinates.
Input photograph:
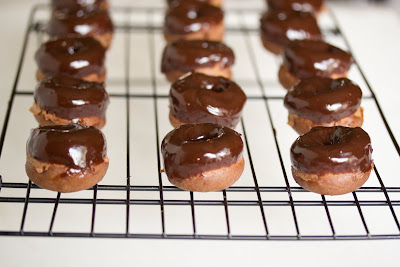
(130, 189)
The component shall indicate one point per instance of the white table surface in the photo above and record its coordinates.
(377, 52)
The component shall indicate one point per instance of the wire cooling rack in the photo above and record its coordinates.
(135, 199)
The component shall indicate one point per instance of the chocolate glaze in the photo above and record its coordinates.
(71, 56)
(196, 148)
(73, 5)
(71, 98)
(332, 150)
(187, 55)
(323, 99)
(79, 23)
(76, 146)
(308, 58)
(199, 98)
(172, 3)
(281, 26)
(191, 16)
(312, 6)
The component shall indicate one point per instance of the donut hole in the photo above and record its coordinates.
(72, 48)
(218, 87)
(330, 136)
(221, 86)
(194, 134)
(215, 84)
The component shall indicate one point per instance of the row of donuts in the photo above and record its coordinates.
(68, 152)
(203, 153)
(333, 154)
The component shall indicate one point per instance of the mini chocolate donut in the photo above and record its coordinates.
(77, 57)
(319, 101)
(217, 3)
(191, 19)
(73, 5)
(203, 157)
(208, 57)
(66, 158)
(95, 23)
(312, 6)
(279, 27)
(308, 58)
(199, 98)
(332, 160)
(61, 100)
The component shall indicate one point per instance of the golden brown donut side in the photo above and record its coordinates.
(90, 78)
(213, 180)
(45, 118)
(175, 122)
(53, 176)
(272, 47)
(288, 80)
(214, 33)
(215, 70)
(302, 125)
(105, 39)
(331, 183)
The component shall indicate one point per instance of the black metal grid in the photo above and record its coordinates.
(37, 27)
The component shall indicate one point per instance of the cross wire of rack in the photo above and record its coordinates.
(265, 204)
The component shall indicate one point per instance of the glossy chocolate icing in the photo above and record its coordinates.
(177, 2)
(71, 98)
(79, 23)
(76, 146)
(187, 55)
(71, 56)
(332, 150)
(196, 148)
(308, 58)
(73, 5)
(324, 100)
(312, 6)
(191, 16)
(199, 98)
(283, 26)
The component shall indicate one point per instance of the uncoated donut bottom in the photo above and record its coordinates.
(288, 80)
(331, 183)
(272, 47)
(45, 118)
(54, 176)
(175, 122)
(105, 39)
(213, 180)
(302, 125)
(215, 70)
(213, 33)
(90, 78)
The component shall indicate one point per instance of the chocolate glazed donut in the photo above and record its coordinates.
(312, 6)
(199, 98)
(192, 19)
(77, 57)
(332, 160)
(279, 27)
(95, 23)
(62, 100)
(73, 5)
(308, 58)
(203, 157)
(66, 158)
(319, 101)
(207, 57)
